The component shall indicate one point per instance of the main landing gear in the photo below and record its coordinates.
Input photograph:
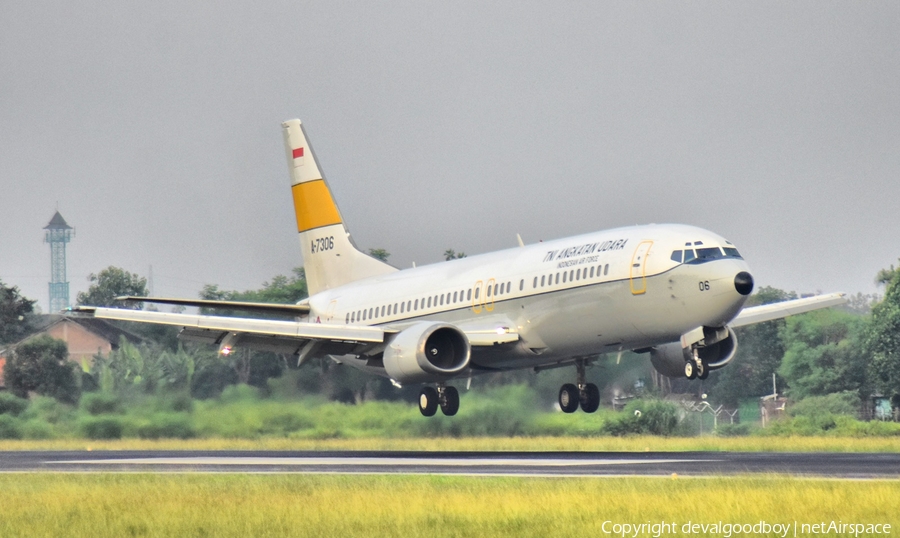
(587, 395)
(696, 367)
(447, 398)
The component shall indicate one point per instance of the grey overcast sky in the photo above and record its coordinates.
(155, 127)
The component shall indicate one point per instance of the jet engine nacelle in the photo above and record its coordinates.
(669, 359)
(427, 352)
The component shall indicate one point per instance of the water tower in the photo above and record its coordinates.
(58, 234)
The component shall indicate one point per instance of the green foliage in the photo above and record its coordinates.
(110, 283)
(735, 430)
(451, 254)
(167, 426)
(102, 428)
(655, 417)
(840, 403)
(11, 404)
(883, 338)
(100, 403)
(41, 366)
(379, 254)
(10, 427)
(15, 312)
(280, 290)
(759, 354)
(824, 353)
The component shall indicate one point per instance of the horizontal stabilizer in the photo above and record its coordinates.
(768, 312)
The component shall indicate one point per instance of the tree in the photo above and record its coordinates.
(249, 366)
(759, 354)
(883, 337)
(110, 283)
(379, 254)
(15, 311)
(280, 290)
(451, 254)
(41, 365)
(823, 354)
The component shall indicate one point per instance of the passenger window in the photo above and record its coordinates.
(401, 308)
(542, 280)
(477, 293)
(606, 270)
(489, 290)
(564, 276)
(416, 305)
(592, 272)
(557, 278)
(535, 283)
(571, 275)
(688, 255)
(395, 309)
(454, 296)
(496, 287)
(578, 274)
(676, 256)
(469, 295)
(442, 299)
(383, 308)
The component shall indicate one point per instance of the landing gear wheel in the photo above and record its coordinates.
(590, 398)
(690, 369)
(568, 398)
(428, 401)
(450, 401)
(703, 371)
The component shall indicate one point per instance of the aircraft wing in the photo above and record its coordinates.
(284, 309)
(292, 337)
(768, 312)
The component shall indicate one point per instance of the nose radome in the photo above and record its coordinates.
(743, 283)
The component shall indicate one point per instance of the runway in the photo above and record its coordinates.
(561, 464)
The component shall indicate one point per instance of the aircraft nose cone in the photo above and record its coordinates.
(743, 283)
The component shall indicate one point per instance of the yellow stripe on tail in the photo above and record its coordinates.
(314, 206)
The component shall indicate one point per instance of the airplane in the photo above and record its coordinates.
(672, 291)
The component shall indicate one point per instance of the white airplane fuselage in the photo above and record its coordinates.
(584, 295)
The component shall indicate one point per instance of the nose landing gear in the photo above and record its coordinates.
(587, 395)
(696, 367)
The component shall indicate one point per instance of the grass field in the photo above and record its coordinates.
(593, 444)
(92, 505)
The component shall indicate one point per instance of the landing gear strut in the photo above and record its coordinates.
(695, 367)
(447, 398)
(581, 393)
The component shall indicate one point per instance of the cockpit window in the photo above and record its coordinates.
(688, 255)
(731, 252)
(676, 256)
(710, 253)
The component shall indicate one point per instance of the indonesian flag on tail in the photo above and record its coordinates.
(298, 157)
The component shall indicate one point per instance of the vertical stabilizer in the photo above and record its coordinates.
(329, 256)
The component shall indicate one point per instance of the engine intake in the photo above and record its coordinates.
(669, 359)
(427, 352)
